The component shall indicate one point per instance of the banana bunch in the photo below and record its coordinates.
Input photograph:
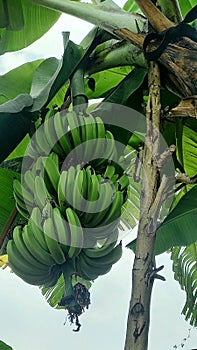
(39, 249)
(73, 209)
(80, 138)
(96, 199)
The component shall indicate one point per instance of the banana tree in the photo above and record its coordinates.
(144, 62)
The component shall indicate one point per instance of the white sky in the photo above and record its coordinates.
(29, 323)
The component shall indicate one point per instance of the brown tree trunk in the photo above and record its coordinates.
(144, 264)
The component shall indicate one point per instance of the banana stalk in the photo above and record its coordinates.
(113, 54)
(76, 296)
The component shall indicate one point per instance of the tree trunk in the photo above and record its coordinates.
(144, 264)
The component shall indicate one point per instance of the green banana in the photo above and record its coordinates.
(55, 274)
(91, 272)
(40, 142)
(69, 185)
(99, 252)
(108, 153)
(29, 276)
(34, 223)
(78, 200)
(51, 166)
(29, 181)
(20, 245)
(22, 209)
(110, 171)
(61, 190)
(105, 194)
(100, 128)
(123, 182)
(89, 137)
(106, 260)
(114, 211)
(92, 195)
(82, 273)
(35, 249)
(110, 145)
(91, 122)
(99, 139)
(51, 240)
(42, 196)
(22, 194)
(61, 128)
(24, 199)
(113, 179)
(76, 233)
(74, 128)
(51, 136)
(15, 258)
(82, 127)
(62, 230)
(37, 168)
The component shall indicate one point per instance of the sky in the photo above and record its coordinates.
(29, 323)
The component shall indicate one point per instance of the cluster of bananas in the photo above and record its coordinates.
(39, 258)
(72, 208)
(85, 141)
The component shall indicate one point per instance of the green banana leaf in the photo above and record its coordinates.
(131, 6)
(13, 129)
(58, 72)
(4, 346)
(11, 84)
(105, 14)
(127, 87)
(179, 227)
(7, 201)
(17, 104)
(117, 84)
(187, 145)
(30, 23)
(186, 6)
(106, 81)
(54, 294)
(185, 272)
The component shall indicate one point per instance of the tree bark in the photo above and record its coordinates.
(144, 270)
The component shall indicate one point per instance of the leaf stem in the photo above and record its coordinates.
(78, 96)
(108, 17)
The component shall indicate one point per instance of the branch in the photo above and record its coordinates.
(176, 60)
(186, 108)
(156, 18)
(185, 179)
